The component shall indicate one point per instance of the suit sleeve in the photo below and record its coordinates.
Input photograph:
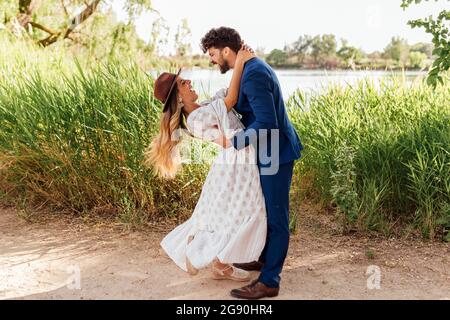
(256, 87)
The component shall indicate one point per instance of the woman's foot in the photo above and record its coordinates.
(190, 268)
(222, 271)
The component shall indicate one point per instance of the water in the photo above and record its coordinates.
(206, 82)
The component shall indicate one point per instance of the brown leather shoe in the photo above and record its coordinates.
(255, 290)
(250, 266)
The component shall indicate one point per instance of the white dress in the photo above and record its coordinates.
(229, 221)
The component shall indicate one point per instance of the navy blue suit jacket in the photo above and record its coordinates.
(262, 106)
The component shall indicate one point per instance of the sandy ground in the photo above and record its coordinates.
(66, 258)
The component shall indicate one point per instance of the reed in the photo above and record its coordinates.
(73, 135)
(379, 153)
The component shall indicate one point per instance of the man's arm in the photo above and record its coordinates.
(245, 54)
(256, 87)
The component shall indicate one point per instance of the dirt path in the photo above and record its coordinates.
(42, 260)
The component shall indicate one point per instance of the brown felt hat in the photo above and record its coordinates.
(164, 86)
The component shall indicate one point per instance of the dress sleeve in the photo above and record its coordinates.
(203, 124)
(221, 94)
(212, 119)
(223, 119)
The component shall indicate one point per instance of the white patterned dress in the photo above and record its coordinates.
(229, 221)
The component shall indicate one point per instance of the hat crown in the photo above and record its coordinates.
(163, 86)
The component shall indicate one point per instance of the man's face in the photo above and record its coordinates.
(217, 57)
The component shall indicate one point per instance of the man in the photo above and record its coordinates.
(268, 128)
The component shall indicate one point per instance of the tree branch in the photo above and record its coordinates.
(82, 16)
(50, 39)
(76, 21)
(66, 13)
(26, 8)
(43, 28)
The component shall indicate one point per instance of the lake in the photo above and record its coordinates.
(207, 82)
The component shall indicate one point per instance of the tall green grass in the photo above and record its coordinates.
(73, 137)
(381, 155)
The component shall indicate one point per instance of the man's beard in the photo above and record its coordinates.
(224, 67)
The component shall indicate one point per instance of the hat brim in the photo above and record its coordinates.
(166, 104)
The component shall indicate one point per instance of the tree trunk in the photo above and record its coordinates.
(76, 21)
(80, 18)
(26, 8)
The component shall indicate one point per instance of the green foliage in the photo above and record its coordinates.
(72, 137)
(277, 58)
(322, 51)
(324, 45)
(350, 55)
(96, 35)
(381, 155)
(73, 133)
(183, 39)
(425, 48)
(417, 59)
(343, 186)
(8, 9)
(135, 7)
(101, 37)
(370, 254)
(439, 29)
(397, 50)
(303, 45)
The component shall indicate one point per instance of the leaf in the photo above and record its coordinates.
(447, 237)
(431, 81)
(437, 51)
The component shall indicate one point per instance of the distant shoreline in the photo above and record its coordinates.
(202, 67)
(397, 70)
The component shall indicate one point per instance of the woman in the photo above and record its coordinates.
(228, 224)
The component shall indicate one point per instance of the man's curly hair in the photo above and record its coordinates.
(220, 38)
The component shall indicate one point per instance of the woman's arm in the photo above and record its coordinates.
(244, 54)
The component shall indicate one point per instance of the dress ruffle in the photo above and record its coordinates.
(209, 244)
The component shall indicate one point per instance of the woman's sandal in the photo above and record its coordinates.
(190, 268)
(236, 275)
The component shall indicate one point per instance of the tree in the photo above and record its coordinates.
(324, 45)
(289, 49)
(159, 34)
(60, 19)
(277, 57)
(302, 46)
(439, 29)
(426, 48)
(122, 42)
(350, 55)
(323, 49)
(398, 50)
(417, 59)
(183, 39)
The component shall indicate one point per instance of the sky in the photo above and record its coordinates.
(366, 24)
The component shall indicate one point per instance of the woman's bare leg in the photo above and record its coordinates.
(190, 268)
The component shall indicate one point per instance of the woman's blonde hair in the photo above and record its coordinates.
(163, 154)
